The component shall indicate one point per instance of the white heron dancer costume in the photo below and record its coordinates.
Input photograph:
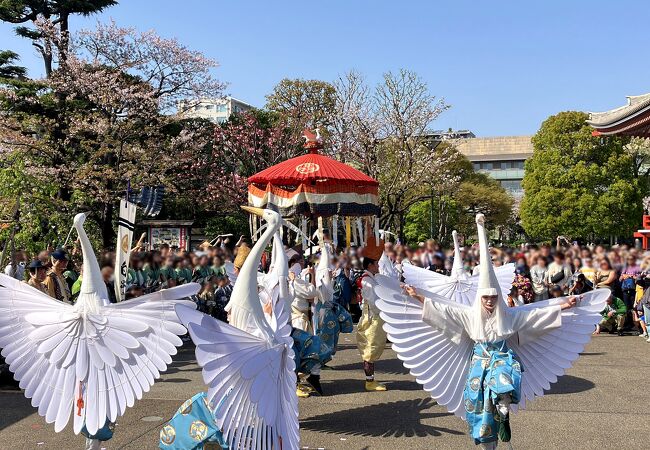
(93, 359)
(249, 365)
(459, 286)
(476, 363)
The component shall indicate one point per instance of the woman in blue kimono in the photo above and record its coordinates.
(483, 359)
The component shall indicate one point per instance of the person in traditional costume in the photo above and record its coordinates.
(371, 337)
(330, 318)
(484, 359)
(56, 284)
(302, 287)
(70, 360)
(311, 352)
(183, 270)
(168, 272)
(248, 364)
(37, 274)
(136, 275)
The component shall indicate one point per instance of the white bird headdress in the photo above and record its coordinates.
(92, 359)
(438, 356)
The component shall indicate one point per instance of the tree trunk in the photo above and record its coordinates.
(107, 230)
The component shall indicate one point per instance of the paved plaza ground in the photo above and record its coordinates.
(600, 403)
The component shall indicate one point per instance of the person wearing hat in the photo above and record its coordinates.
(471, 358)
(37, 274)
(371, 337)
(55, 282)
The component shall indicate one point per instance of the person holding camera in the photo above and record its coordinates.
(559, 272)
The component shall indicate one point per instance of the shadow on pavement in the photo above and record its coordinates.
(383, 366)
(568, 384)
(395, 419)
(15, 407)
(357, 385)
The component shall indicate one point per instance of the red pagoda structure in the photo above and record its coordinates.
(633, 120)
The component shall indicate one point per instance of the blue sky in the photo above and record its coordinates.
(503, 66)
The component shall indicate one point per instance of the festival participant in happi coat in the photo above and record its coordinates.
(484, 359)
(88, 362)
(371, 337)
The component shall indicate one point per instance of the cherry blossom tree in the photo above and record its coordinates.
(97, 123)
(384, 132)
(247, 143)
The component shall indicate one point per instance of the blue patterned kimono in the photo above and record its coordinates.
(494, 371)
(192, 427)
(329, 321)
(309, 350)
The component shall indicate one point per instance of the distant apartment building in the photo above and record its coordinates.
(502, 158)
(217, 110)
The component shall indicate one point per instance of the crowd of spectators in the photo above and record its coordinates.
(541, 272)
(566, 268)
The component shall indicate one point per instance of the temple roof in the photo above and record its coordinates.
(632, 119)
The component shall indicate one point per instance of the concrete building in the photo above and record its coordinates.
(217, 110)
(502, 158)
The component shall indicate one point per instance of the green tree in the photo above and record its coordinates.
(482, 194)
(56, 14)
(475, 193)
(305, 103)
(577, 184)
(97, 124)
(8, 70)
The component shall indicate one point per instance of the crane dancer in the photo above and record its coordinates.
(92, 359)
(483, 359)
(248, 364)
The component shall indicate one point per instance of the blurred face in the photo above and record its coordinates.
(587, 262)
(217, 262)
(107, 274)
(631, 261)
(39, 274)
(44, 256)
(489, 302)
(604, 265)
(59, 265)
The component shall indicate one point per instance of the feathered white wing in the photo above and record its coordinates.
(93, 366)
(459, 289)
(436, 362)
(251, 381)
(553, 353)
